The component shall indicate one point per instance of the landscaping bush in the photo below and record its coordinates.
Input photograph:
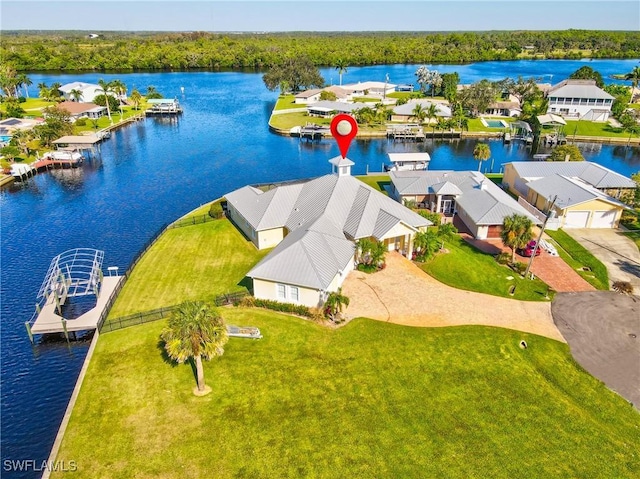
(81, 122)
(216, 211)
(519, 267)
(623, 287)
(447, 230)
(298, 309)
(503, 258)
(435, 218)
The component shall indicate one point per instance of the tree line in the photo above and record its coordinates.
(119, 51)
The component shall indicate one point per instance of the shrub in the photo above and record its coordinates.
(503, 258)
(299, 309)
(435, 218)
(623, 287)
(81, 122)
(215, 211)
(447, 230)
(519, 267)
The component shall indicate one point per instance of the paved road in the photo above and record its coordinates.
(603, 332)
(618, 253)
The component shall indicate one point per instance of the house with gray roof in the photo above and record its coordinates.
(478, 202)
(580, 99)
(589, 195)
(328, 108)
(405, 112)
(518, 174)
(312, 227)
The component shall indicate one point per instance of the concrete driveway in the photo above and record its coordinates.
(617, 252)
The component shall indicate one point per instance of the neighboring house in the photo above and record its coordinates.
(504, 108)
(313, 95)
(478, 202)
(370, 88)
(89, 91)
(518, 175)
(405, 112)
(580, 99)
(314, 226)
(577, 205)
(327, 109)
(86, 110)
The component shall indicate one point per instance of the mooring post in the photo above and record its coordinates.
(28, 326)
(64, 327)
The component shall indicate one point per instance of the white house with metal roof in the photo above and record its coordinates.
(313, 95)
(580, 99)
(314, 226)
(518, 174)
(406, 112)
(88, 91)
(476, 200)
(589, 195)
(370, 88)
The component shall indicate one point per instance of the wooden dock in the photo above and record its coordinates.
(49, 321)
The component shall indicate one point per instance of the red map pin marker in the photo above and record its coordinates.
(344, 128)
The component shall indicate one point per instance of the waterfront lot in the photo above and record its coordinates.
(370, 399)
(187, 263)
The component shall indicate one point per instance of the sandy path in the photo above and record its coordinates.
(403, 294)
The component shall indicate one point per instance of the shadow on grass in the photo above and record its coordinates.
(163, 353)
(246, 283)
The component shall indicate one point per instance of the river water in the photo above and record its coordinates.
(153, 171)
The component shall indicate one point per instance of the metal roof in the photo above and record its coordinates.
(446, 188)
(77, 85)
(490, 206)
(578, 89)
(413, 156)
(593, 173)
(570, 191)
(407, 109)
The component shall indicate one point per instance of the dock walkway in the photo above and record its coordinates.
(48, 321)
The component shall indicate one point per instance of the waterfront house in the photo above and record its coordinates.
(370, 88)
(327, 109)
(405, 113)
(479, 203)
(88, 90)
(83, 110)
(313, 95)
(580, 99)
(589, 195)
(313, 227)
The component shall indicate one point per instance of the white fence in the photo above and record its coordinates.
(552, 223)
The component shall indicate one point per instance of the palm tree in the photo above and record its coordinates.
(135, 97)
(105, 89)
(516, 233)
(341, 66)
(195, 330)
(419, 113)
(75, 94)
(24, 81)
(431, 113)
(334, 304)
(43, 91)
(634, 76)
(54, 91)
(481, 153)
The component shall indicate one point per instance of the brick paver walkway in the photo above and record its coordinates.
(550, 269)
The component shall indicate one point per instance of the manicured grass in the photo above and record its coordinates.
(288, 101)
(465, 267)
(193, 262)
(104, 122)
(287, 121)
(577, 256)
(32, 107)
(591, 128)
(376, 181)
(475, 125)
(371, 399)
(634, 236)
(366, 99)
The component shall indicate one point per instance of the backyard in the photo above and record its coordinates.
(370, 399)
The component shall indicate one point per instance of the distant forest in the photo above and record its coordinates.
(125, 51)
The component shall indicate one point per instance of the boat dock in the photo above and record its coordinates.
(405, 132)
(312, 132)
(163, 106)
(71, 274)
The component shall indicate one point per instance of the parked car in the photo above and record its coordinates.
(527, 251)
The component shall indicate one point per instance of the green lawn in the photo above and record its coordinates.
(591, 128)
(194, 262)
(286, 121)
(32, 106)
(465, 267)
(104, 122)
(634, 236)
(288, 101)
(475, 125)
(577, 256)
(368, 400)
(376, 181)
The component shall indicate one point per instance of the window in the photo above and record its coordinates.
(282, 291)
(288, 293)
(293, 293)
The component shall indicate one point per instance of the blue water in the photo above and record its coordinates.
(154, 171)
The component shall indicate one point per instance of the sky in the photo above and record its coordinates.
(311, 15)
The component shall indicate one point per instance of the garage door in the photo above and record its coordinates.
(576, 219)
(603, 219)
(494, 231)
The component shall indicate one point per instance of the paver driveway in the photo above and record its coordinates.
(617, 252)
(404, 294)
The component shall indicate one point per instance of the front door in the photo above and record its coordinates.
(447, 206)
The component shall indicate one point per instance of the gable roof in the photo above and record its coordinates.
(593, 173)
(369, 85)
(569, 191)
(482, 200)
(76, 108)
(407, 109)
(578, 89)
(308, 93)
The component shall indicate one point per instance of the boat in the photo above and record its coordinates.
(408, 162)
